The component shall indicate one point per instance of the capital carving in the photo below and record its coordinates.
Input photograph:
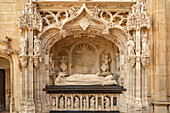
(23, 60)
(145, 60)
(131, 60)
(37, 60)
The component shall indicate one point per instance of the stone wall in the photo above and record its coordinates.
(159, 66)
(10, 10)
(168, 45)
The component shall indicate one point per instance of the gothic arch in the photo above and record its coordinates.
(6, 53)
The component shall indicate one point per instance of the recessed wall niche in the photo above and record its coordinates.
(84, 56)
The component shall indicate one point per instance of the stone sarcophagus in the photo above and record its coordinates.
(84, 98)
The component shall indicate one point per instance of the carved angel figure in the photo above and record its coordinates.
(130, 46)
(63, 64)
(105, 63)
(145, 46)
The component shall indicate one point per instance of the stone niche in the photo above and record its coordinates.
(84, 75)
(84, 61)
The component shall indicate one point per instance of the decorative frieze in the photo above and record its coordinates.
(84, 102)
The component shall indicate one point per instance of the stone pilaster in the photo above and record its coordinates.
(160, 49)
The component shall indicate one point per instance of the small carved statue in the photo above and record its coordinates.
(69, 102)
(23, 46)
(62, 103)
(105, 63)
(63, 64)
(107, 102)
(92, 103)
(76, 102)
(84, 103)
(53, 101)
(130, 46)
(51, 63)
(145, 46)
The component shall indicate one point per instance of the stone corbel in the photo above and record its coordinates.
(23, 60)
(145, 60)
(131, 60)
(37, 60)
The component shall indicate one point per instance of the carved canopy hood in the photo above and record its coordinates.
(125, 24)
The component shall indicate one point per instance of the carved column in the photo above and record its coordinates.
(137, 21)
(29, 54)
